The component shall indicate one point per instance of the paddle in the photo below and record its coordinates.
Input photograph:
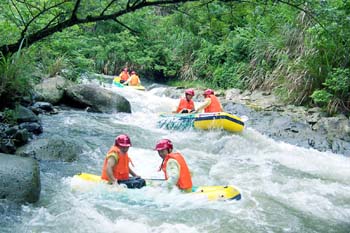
(154, 179)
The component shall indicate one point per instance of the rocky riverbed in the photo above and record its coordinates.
(296, 125)
(309, 128)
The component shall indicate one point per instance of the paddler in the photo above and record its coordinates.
(124, 75)
(211, 102)
(116, 164)
(174, 166)
(186, 105)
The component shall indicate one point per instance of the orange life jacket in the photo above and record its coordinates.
(214, 105)
(121, 169)
(185, 180)
(185, 104)
(124, 76)
(135, 81)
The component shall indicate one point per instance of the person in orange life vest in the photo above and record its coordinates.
(211, 103)
(116, 163)
(186, 104)
(124, 75)
(174, 166)
(134, 80)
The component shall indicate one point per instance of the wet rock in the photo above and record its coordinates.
(7, 146)
(21, 137)
(42, 107)
(10, 131)
(55, 148)
(32, 127)
(96, 98)
(239, 109)
(19, 179)
(341, 147)
(26, 101)
(51, 89)
(334, 127)
(297, 125)
(24, 114)
(313, 118)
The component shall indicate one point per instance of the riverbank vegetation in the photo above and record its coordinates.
(297, 49)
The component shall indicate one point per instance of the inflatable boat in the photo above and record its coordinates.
(84, 181)
(205, 121)
(116, 83)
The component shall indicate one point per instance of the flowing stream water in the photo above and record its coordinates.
(284, 188)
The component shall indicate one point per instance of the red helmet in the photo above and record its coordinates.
(189, 92)
(208, 92)
(164, 144)
(122, 140)
(133, 72)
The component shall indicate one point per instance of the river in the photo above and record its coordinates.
(284, 188)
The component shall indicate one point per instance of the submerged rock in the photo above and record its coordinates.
(19, 179)
(48, 149)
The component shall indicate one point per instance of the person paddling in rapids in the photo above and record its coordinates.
(174, 166)
(134, 80)
(211, 103)
(116, 164)
(124, 75)
(186, 105)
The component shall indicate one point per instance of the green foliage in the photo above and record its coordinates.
(336, 94)
(321, 97)
(10, 116)
(57, 66)
(15, 79)
(301, 55)
(338, 83)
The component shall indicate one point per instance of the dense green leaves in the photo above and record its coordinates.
(15, 79)
(299, 49)
(336, 93)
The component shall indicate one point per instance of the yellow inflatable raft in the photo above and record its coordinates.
(219, 120)
(83, 181)
(205, 121)
(116, 83)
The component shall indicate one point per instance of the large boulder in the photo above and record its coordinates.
(24, 114)
(51, 149)
(19, 179)
(96, 99)
(51, 89)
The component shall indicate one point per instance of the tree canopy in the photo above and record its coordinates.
(31, 20)
(298, 49)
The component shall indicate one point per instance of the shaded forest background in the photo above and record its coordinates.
(298, 50)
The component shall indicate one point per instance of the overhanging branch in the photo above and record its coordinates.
(124, 25)
(74, 20)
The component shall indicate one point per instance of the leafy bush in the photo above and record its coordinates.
(335, 96)
(336, 93)
(338, 83)
(321, 97)
(227, 77)
(15, 79)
